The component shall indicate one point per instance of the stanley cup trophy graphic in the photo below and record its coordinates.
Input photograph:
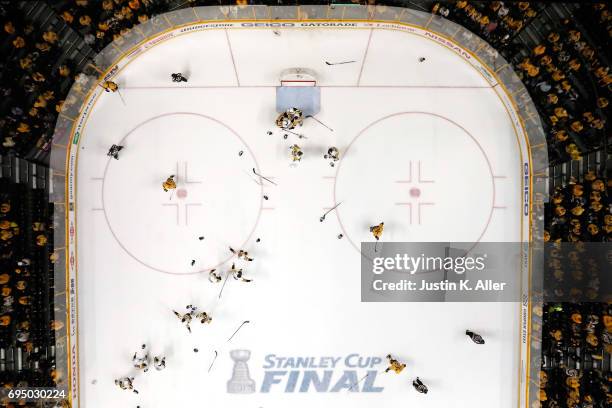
(241, 382)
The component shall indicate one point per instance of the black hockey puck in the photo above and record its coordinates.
(195, 350)
(200, 238)
(258, 240)
(266, 197)
(240, 153)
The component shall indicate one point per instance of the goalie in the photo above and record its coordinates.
(289, 119)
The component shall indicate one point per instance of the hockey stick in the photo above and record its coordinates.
(362, 378)
(339, 63)
(224, 282)
(310, 116)
(293, 133)
(240, 327)
(179, 6)
(171, 194)
(359, 382)
(330, 210)
(121, 96)
(265, 178)
(213, 362)
(258, 182)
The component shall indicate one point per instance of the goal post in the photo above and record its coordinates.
(298, 77)
(298, 89)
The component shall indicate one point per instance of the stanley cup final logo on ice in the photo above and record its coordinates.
(303, 374)
(241, 382)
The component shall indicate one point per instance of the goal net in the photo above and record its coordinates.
(298, 89)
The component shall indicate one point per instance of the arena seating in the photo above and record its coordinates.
(580, 211)
(101, 22)
(26, 246)
(577, 337)
(36, 76)
(576, 343)
(564, 65)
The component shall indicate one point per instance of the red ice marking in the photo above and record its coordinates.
(421, 180)
(181, 193)
(207, 268)
(420, 205)
(415, 192)
(409, 205)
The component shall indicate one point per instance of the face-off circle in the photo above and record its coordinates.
(411, 181)
(216, 198)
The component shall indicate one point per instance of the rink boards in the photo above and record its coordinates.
(80, 122)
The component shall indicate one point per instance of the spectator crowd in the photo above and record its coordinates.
(580, 211)
(576, 338)
(566, 71)
(26, 254)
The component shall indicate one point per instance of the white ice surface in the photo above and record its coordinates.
(134, 251)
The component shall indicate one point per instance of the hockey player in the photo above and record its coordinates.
(178, 77)
(296, 153)
(237, 274)
(476, 338)
(333, 154)
(169, 184)
(214, 277)
(114, 151)
(159, 363)
(419, 386)
(241, 254)
(141, 363)
(204, 317)
(185, 318)
(110, 86)
(289, 119)
(126, 383)
(394, 365)
(377, 230)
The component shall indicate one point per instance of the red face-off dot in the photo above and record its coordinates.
(415, 192)
(181, 193)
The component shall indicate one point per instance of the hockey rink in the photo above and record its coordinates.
(427, 147)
